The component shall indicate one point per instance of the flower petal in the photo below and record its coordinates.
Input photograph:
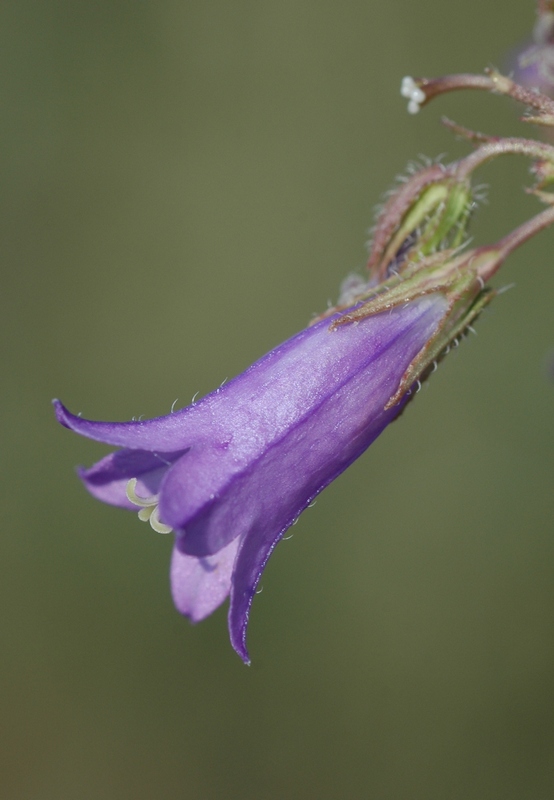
(296, 421)
(250, 563)
(272, 390)
(277, 492)
(200, 585)
(167, 433)
(107, 479)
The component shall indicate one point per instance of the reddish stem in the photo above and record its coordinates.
(498, 147)
(491, 82)
(514, 239)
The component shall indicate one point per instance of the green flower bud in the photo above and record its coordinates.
(428, 213)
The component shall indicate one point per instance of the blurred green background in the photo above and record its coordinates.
(183, 185)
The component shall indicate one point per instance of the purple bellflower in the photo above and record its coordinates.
(533, 64)
(232, 472)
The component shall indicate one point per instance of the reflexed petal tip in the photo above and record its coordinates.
(168, 433)
(250, 564)
(61, 412)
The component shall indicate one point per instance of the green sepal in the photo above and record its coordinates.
(457, 278)
(449, 333)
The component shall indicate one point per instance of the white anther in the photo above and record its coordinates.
(135, 499)
(149, 508)
(413, 93)
(158, 526)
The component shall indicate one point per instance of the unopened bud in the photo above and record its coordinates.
(427, 213)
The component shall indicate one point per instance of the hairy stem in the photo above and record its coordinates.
(513, 240)
(492, 81)
(498, 147)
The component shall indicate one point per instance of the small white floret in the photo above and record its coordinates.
(406, 87)
(413, 93)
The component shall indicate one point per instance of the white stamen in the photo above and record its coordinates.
(149, 508)
(135, 499)
(158, 526)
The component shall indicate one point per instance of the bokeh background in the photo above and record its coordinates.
(183, 185)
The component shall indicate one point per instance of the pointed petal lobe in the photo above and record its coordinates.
(200, 585)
